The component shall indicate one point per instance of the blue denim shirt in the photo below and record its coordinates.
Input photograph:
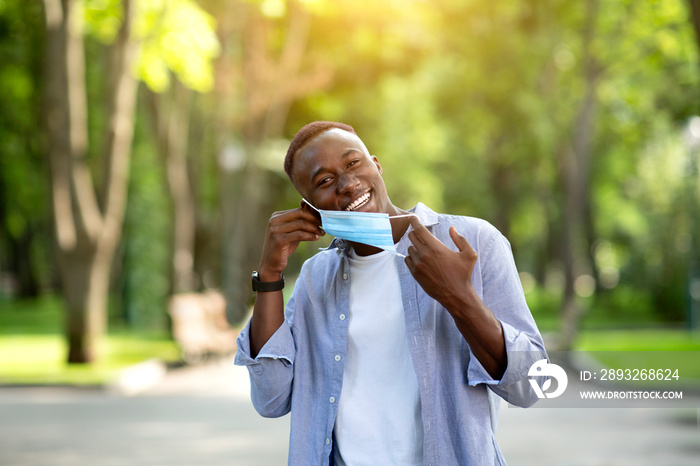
(300, 369)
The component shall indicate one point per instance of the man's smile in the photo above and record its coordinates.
(359, 202)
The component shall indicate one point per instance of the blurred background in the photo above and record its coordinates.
(141, 148)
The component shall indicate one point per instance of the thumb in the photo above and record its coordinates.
(460, 241)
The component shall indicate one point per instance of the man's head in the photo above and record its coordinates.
(330, 166)
(306, 134)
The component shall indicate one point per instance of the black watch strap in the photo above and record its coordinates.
(266, 286)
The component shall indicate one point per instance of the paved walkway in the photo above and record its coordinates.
(202, 415)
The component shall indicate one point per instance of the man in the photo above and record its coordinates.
(384, 360)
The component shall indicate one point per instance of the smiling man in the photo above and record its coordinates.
(384, 359)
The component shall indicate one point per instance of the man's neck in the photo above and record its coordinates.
(364, 249)
(399, 226)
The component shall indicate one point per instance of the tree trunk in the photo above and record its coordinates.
(575, 171)
(85, 281)
(247, 229)
(87, 233)
(501, 179)
(695, 19)
(171, 114)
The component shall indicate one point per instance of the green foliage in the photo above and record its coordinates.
(623, 305)
(20, 149)
(173, 35)
(103, 18)
(145, 288)
(543, 302)
(24, 205)
(544, 306)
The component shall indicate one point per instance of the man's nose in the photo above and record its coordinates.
(347, 183)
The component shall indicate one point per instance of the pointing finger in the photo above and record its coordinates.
(459, 240)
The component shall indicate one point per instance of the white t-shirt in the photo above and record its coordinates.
(379, 419)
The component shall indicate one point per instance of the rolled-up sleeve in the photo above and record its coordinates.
(503, 295)
(271, 371)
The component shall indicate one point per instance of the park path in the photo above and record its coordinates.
(202, 416)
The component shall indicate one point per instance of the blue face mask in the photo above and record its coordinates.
(371, 228)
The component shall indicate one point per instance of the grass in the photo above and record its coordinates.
(33, 350)
(39, 316)
(646, 349)
(639, 340)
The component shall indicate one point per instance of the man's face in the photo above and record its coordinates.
(334, 171)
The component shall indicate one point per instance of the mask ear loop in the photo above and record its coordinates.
(310, 205)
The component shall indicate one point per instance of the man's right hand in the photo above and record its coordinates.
(285, 231)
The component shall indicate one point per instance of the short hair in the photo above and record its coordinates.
(307, 133)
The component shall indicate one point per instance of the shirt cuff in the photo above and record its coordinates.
(280, 346)
(521, 351)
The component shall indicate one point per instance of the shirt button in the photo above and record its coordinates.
(345, 276)
(332, 399)
(328, 441)
(337, 357)
(342, 317)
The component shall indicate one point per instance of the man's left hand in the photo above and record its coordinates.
(446, 276)
(440, 271)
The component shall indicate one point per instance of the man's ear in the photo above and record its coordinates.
(376, 162)
(305, 205)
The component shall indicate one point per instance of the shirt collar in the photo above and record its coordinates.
(426, 216)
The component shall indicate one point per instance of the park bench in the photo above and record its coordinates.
(200, 326)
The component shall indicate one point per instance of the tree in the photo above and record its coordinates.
(575, 165)
(89, 218)
(170, 106)
(695, 18)
(171, 114)
(87, 223)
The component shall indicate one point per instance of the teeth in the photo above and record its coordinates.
(358, 202)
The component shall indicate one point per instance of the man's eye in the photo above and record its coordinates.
(324, 181)
(353, 162)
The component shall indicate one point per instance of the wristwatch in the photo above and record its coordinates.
(266, 286)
